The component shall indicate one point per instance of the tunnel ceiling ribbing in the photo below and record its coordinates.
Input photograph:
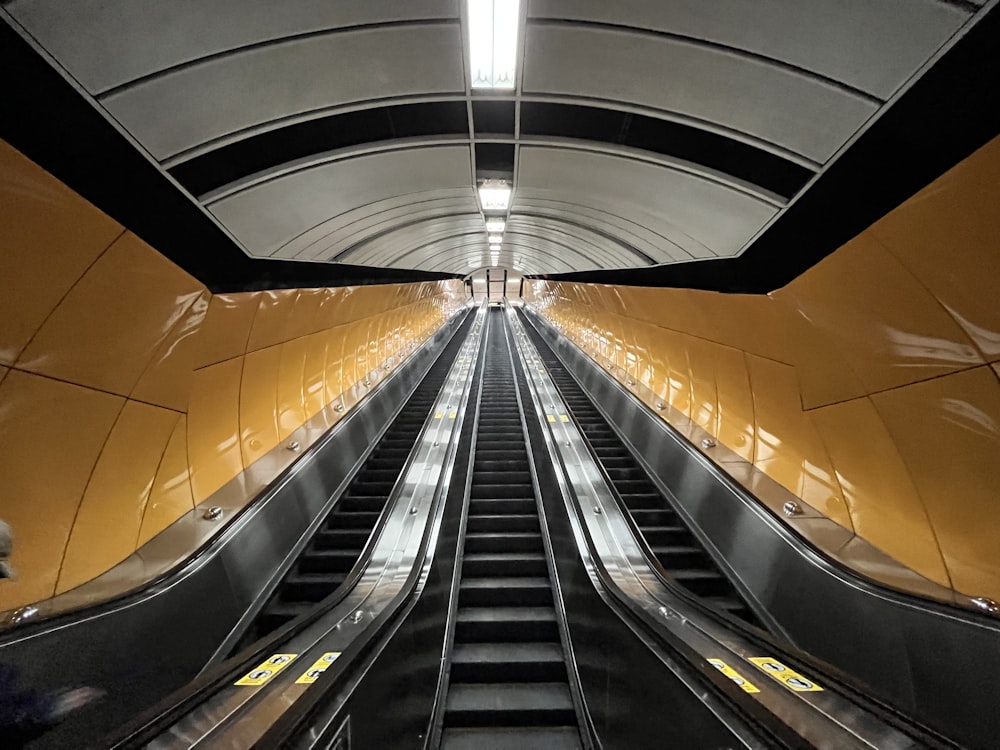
(343, 141)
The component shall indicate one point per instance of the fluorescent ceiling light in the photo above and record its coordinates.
(495, 225)
(496, 238)
(493, 43)
(495, 248)
(494, 195)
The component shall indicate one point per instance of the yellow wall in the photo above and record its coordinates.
(868, 386)
(129, 393)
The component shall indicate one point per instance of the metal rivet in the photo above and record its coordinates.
(791, 508)
(987, 605)
(338, 407)
(294, 446)
(358, 616)
(630, 381)
(413, 510)
(707, 443)
(366, 383)
(436, 444)
(597, 509)
(659, 405)
(213, 514)
(21, 614)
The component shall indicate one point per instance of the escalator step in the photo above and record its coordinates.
(488, 506)
(500, 590)
(341, 519)
(493, 624)
(510, 704)
(506, 542)
(490, 564)
(310, 587)
(508, 522)
(511, 738)
(518, 491)
(506, 662)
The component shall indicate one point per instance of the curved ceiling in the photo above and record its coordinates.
(638, 134)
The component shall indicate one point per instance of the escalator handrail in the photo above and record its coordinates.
(170, 709)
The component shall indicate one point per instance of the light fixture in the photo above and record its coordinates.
(495, 225)
(493, 43)
(495, 248)
(496, 239)
(494, 195)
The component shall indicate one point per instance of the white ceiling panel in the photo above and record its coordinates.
(886, 39)
(718, 219)
(744, 94)
(183, 109)
(108, 43)
(271, 214)
(340, 233)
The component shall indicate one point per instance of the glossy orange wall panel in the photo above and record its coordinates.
(946, 235)
(225, 331)
(214, 427)
(170, 496)
(51, 434)
(131, 290)
(38, 212)
(864, 386)
(118, 489)
(947, 431)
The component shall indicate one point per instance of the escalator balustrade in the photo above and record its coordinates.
(339, 541)
(676, 548)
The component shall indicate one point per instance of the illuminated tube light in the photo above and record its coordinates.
(493, 43)
(496, 239)
(494, 195)
(494, 248)
(495, 225)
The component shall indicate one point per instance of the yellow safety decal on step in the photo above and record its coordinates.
(551, 417)
(267, 670)
(733, 675)
(787, 677)
(451, 415)
(437, 415)
(319, 666)
(563, 417)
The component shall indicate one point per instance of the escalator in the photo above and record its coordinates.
(339, 541)
(673, 544)
(508, 679)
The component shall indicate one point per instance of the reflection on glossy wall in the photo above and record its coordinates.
(868, 386)
(129, 393)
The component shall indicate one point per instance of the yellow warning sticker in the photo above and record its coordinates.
(267, 670)
(451, 415)
(733, 675)
(787, 677)
(563, 417)
(437, 415)
(551, 417)
(319, 666)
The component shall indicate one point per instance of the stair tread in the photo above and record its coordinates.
(508, 653)
(509, 696)
(506, 614)
(511, 738)
(499, 582)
